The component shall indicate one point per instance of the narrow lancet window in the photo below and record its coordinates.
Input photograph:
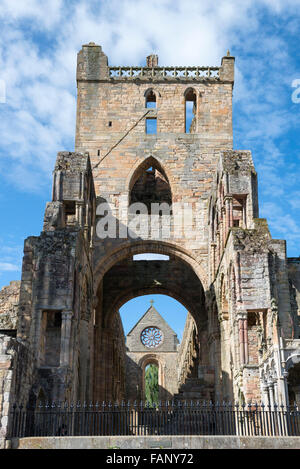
(190, 110)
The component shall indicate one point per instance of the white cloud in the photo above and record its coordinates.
(282, 224)
(8, 267)
(40, 40)
(10, 255)
(45, 13)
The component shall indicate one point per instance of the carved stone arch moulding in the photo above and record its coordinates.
(142, 165)
(152, 90)
(129, 249)
(292, 360)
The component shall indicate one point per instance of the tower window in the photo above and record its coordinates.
(150, 99)
(51, 338)
(151, 126)
(190, 110)
(70, 212)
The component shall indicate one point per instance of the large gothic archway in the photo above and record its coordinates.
(120, 278)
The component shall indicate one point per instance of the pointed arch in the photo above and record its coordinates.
(149, 183)
(143, 165)
(224, 297)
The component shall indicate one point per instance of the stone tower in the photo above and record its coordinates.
(134, 152)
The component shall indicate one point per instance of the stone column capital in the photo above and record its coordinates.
(242, 314)
(67, 314)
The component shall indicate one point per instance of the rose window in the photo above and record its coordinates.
(151, 337)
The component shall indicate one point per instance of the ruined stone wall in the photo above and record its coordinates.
(250, 279)
(55, 314)
(187, 351)
(6, 357)
(235, 281)
(17, 373)
(9, 301)
(116, 375)
(294, 282)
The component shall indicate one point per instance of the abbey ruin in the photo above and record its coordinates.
(61, 336)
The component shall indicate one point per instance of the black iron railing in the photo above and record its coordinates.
(175, 418)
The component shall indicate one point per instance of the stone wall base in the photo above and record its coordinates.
(153, 442)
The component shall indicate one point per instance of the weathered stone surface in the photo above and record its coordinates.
(9, 301)
(242, 336)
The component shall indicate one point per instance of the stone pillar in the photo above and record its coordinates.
(213, 260)
(265, 396)
(79, 213)
(218, 247)
(66, 323)
(6, 376)
(243, 336)
(222, 229)
(229, 212)
(276, 396)
(245, 325)
(271, 393)
(285, 375)
(226, 216)
(241, 341)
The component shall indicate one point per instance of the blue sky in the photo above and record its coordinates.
(171, 310)
(39, 41)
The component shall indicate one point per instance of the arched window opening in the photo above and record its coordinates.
(150, 99)
(239, 211)
(151, 187)
(294, 385)
(51, 338)
(151, 122)
(151, 384)
(190, 110)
